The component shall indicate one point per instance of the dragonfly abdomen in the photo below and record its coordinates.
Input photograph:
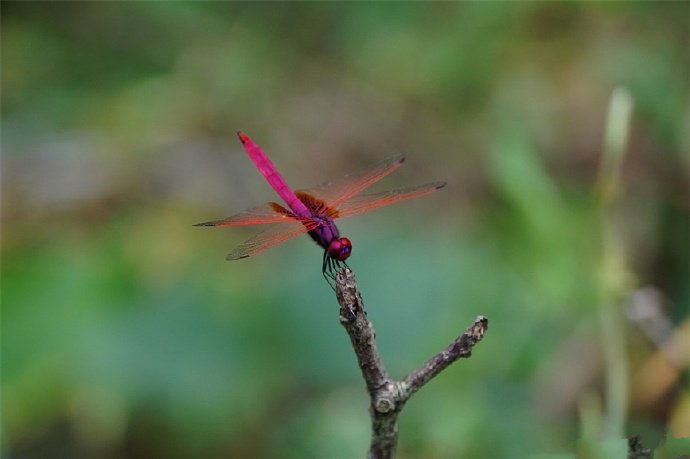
(272, 176)
(283, 190)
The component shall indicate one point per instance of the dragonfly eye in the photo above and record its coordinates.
(340, 248)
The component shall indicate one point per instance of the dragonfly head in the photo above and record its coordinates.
(339, 248)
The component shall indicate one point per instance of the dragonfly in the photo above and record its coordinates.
(314, 210)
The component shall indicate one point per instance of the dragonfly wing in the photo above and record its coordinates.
(270, 238)
(340, 190)
(360, 204)
(271, 212)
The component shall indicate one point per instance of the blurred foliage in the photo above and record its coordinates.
(126, 334)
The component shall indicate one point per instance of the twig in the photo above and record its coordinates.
(387, 395)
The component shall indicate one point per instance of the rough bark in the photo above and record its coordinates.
(388, 396)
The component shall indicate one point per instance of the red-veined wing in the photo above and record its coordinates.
(340, 190)
(360, 204)
(271, 212)
(270, 238)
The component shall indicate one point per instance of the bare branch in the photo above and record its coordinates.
(460, 348)
(388, 396)
(361, 332)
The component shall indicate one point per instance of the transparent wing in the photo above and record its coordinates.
(340, 190)
(271, 237)
(360, 204)
(271, 212)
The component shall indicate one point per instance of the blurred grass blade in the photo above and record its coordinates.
(615, 142)
(615, 279)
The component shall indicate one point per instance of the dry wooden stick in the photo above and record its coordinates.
(387, 395)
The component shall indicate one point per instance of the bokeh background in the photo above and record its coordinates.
(125, 333)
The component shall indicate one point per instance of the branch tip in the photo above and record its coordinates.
(481, 324)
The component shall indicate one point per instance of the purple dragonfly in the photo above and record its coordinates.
(313, 211)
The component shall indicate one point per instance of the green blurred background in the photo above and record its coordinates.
(125, 333)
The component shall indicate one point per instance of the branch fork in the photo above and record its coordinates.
(387, 395)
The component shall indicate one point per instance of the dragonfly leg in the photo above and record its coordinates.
(330, 268)
(326, 270)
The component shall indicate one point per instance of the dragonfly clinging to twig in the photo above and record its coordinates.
(314, 210)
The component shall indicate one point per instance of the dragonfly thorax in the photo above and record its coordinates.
(339, 248)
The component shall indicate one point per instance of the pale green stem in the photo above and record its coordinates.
(614, 274)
